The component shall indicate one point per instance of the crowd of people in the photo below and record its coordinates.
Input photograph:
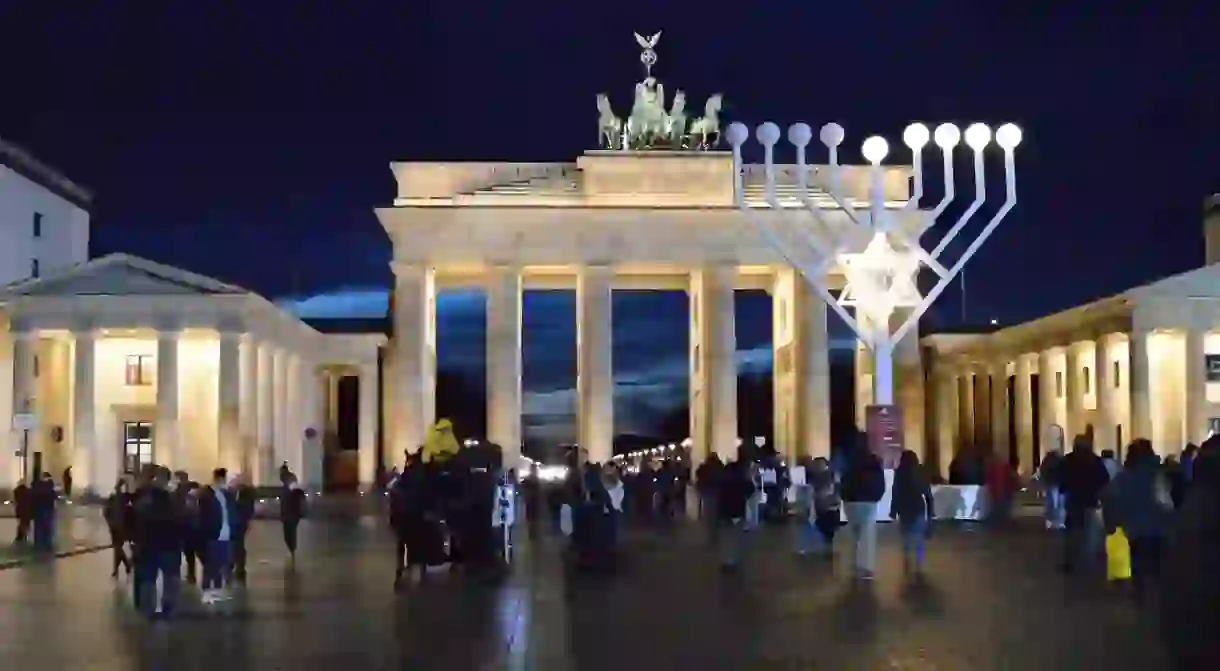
(160, 522)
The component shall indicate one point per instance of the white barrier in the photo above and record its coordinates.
(960, 502)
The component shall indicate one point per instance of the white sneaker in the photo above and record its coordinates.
(208, 597)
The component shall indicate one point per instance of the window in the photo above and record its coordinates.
(38, 224)
(1117, 375)
(1058, 384)
(1087, 381)
(35, 269)
(137, 446)
(35, 366)
(140, 370)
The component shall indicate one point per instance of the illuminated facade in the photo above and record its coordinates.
(120, 361)
(665, 220)
(1145, 363)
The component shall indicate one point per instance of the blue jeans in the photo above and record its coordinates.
(167, 564)
(914, 536)
(219, 558)
(1053, 507)
(732, 542)
(862, 523)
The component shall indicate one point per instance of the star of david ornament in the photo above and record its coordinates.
(880, 279)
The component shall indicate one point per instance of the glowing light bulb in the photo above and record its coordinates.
(947, 136)
(875, 149)
(978, 136)
(916, 136)
(832, 135)
(1008, 136)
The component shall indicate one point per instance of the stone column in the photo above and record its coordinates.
(1047, 397)
(801, 368)
(12, 466)
(1024, 402)
(1139, 381)
(265, 466)
(966, 405)
(367, 457)
(714, 350)
(1073, 391)
(909, 384)
(98, 470)
(594, 362)
(279, 363)
(168, 449)
(414, 367)
(248, 418)
(999, 410)
(228, 403)
(947, 421)
(1104, 430)
(1195, 380)
(504, 362)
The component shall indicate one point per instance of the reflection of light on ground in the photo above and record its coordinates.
(513, 624)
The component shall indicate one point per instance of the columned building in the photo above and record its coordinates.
(615, 220)
(119, 361)
(1143, 364)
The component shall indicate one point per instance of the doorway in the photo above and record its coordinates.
(137, 446)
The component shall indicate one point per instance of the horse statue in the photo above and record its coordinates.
(708, 125)
(648, 120)
(676, 126)
(609, 127)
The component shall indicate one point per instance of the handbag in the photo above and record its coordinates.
(1118, 556)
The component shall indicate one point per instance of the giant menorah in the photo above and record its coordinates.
(878, 250)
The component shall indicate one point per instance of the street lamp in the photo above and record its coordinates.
(877, 248)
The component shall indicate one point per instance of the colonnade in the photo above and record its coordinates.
(802, 370)
(1118, 385)
(250, 419)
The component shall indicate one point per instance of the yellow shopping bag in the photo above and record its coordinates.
(1118, 556)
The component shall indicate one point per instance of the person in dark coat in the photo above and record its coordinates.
(862, 488)
(245, 498)
(42, 505)
(1190, 577)
(217, 526)
(23, 510)
(408, 519)
(186, 499)
(1137, 501)
(733, 491)
(705, 485)
(1083, 476)
(118, 514)
(912, 505)
(158, 542)
(292, 511)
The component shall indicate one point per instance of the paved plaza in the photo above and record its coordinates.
(991, 600)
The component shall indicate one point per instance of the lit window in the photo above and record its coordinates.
(1058, 384)
(137, 446)
(141, 371)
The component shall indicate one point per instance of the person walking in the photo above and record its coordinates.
(912, 506)
(292, 511)
(823, 509)
(1083, 477)
(245, 497)
(118, 514)
(23, 510)
(734, 492)
(158, 544)
(862, 488)
(217, 520)
(1138, 502)
(1052, 495)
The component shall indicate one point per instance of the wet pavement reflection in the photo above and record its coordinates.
(988, 602)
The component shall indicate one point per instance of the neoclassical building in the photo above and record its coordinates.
(120, 361)
(1145, 363)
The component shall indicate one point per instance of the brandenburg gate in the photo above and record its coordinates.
(652, 208)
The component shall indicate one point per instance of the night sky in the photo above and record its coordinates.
(250, 141)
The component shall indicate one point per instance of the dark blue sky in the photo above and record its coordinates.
(219, 134)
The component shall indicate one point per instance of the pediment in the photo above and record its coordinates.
(120, 275)
(1200, 283)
